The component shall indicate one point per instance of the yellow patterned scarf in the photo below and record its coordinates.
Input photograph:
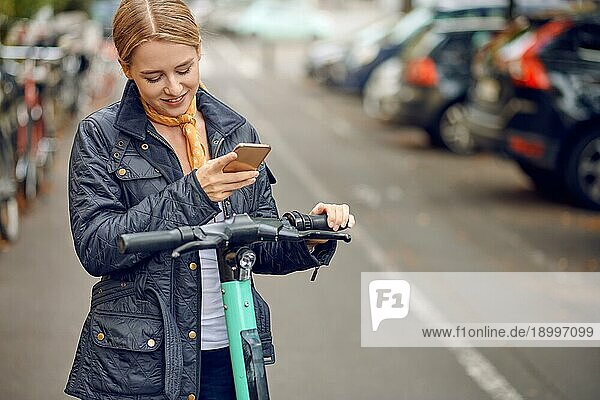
(195, 150)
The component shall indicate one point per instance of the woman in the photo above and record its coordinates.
(154, 161)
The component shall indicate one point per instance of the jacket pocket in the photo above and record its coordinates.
(138, 177)
(126, 353)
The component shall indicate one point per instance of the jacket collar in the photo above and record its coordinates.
(132, 119)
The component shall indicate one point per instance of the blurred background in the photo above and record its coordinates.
(465, 136)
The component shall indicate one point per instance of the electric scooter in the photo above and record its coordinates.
(231, 239)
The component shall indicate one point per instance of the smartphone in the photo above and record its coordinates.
(250, 155)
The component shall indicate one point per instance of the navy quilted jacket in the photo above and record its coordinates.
(123, 177)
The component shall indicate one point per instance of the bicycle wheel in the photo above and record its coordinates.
(9, 219)
(9, 207)
(31, 181)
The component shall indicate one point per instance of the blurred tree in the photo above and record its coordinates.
(20, 9)
(71, 5)
(15, 9)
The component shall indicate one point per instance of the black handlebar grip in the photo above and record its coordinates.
(318, 222)
(305, 222)
(149, 241)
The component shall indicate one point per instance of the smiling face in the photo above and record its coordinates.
(167, 75)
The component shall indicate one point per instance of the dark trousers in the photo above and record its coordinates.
(216, 380)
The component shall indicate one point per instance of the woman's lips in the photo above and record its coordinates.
(175, 101)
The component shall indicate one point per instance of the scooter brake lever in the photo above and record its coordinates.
(326, 235)
(185, 248)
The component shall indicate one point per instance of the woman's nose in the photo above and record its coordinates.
(173, 87)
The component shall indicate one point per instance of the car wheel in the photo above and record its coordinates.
(321, 75)
(9, 219)
(583, 171)
(453, 132)
(31, 181)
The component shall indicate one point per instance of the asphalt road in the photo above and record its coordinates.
(418, 209)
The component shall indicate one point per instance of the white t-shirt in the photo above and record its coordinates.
(212, 316)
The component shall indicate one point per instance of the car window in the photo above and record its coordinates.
(409, 24)
(375, 31)
(471, 12)
(480, 39)
(588, 37)
(456, 49)
(587, 43)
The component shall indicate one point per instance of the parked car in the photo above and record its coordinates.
(354, 69)
(224, 16)
(489, 101)
(435, 77)
(546, 86)
(326, 55)
(276, 20)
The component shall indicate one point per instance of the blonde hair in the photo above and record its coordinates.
(140, 21)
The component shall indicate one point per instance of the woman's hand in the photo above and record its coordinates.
(219, 185)
(338, 216)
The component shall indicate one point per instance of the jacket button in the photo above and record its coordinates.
(122, 171)
(191, 397)
(144, 146)
(100, 336)
(151, 343)
(192, 335)
(193, 266)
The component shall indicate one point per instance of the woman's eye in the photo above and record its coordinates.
(153, 80)
(185, 72)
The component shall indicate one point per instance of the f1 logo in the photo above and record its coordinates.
(389, 299)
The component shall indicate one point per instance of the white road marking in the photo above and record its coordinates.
(475, 364)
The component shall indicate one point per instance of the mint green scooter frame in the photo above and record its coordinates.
(244, 341)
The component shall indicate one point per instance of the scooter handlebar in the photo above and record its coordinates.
(300, 225)
(306, 222)
(149, 241)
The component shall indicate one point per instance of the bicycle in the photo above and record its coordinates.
(35, 142)
(235, 259)
(9, 207)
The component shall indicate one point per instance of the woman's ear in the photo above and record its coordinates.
(125, 69)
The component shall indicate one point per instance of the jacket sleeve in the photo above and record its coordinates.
(280, 258)
(98, 214)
